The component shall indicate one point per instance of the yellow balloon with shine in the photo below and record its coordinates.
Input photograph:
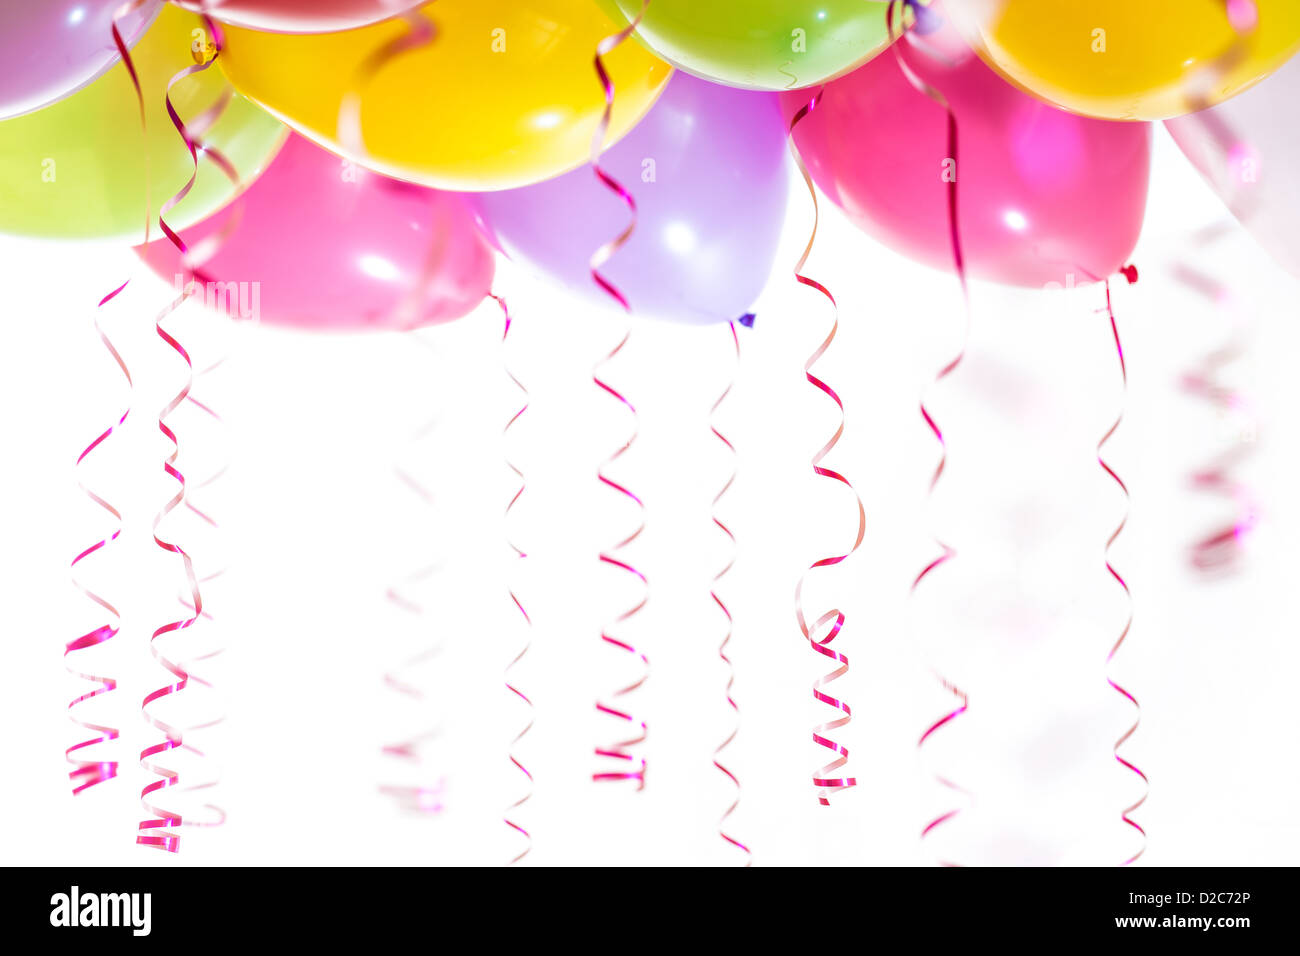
(505, 93)
(1132, 59)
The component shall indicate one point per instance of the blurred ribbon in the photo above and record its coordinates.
(519, 553)
(420, 32)
(623, 749)
(832, 620)
(1130, 273)
(1204, 78)
(1220, 549)
(897, 14)
(425, 796)
(713, 593)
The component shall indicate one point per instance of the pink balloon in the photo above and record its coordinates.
(300, 16)
(1043, 195)
(49, 49)
(324, 244)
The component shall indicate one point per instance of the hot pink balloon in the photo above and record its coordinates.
(300, 16)
(326, 245)
(1043, 195)
(49, 49)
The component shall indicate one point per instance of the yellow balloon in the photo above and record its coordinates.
(83, 169)
(506, 94)
(1132, 59)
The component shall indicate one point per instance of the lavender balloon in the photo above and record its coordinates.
(49, 49)
(707, 169)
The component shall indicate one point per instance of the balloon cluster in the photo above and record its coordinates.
(421, 136)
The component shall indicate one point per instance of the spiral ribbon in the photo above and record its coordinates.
(896, 17)
(730, 625)
(1130, 273)
(1220, 549)
(87, 772)
(514, 597)
(420, 32)
(423, 797)
(157, 831)
(832, 620)
(631, 766)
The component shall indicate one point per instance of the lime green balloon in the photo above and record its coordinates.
(84, 169)
(762, 44)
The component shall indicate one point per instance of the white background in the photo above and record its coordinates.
(315, 527)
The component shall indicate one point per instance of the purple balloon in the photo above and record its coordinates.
(49, 49)
(707, 169)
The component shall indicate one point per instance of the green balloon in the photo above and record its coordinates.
(762, 44)
(83, 168)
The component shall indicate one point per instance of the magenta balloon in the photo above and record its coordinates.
(323, 244)
(49, 49)
(300, 16)
(707, 169)
(1248, 149)
(1043, 195)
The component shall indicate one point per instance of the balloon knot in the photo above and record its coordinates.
(926, 19)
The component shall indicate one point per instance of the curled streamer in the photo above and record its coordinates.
(521, 554)
(1130, 273)
(157, 830)
(425, 796)
(832, 620)
(85, 772)
(420, 32)
(897, 14)
(713, 593)
(1219, 550)
(631, 766)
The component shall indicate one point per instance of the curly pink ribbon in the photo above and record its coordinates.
(895, 15)
(157, 831)
(730, 625)
(833, 619)
(514, 597)
(623, 749)
(85, 772)
(1130, 273)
